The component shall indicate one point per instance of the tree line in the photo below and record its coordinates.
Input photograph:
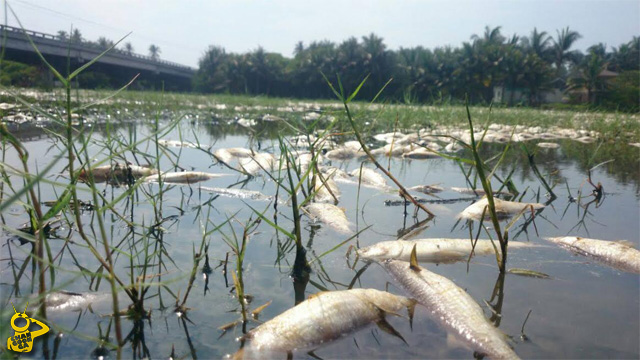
(75, 37)
(527, 65)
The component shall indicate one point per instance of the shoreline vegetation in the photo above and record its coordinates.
(538, 70)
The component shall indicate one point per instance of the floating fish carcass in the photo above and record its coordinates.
(369, 177)
(258, 162)
(504, 209)
(618, 254)
(452, 307)
(478, 192)
(116, 173)
(184, 177)
(434, 250)
(176, 143)
(330, 215)
(326, 189)
(321, 318)
(426, 189)
(420, 153)
(343, 153)
(548, 145)
(237, 193)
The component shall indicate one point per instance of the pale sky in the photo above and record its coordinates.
(184, 29)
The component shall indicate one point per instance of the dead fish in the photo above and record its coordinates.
(327, 190)
(427, 189)
(478, 192)
(246, 122)
(393, 150)
(433, 250)
(585, 139)
(184, 177)
(420, 153)
(176, 143)
(618, 254)
(322, 318)
(548, 145)
(66, 300)
(117, 173)
(504, 209)
(370, 177)
(529, 273)
(330, 215)
(335, 173)
(227, 155)
(342, 153)
(253, 165)
(452, 307)
(237, 193)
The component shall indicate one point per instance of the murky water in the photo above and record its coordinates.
(586, 309)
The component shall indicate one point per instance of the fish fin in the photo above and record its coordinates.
(411, 309)
(386, 327)
(413, 264)
(626, 243)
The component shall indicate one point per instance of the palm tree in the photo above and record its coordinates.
(589, 77)
(128, 48)
(538, 43)
(62, 35)
(76, 36)
(561, 47)
(154, 52)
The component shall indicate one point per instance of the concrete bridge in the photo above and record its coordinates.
(117, 62)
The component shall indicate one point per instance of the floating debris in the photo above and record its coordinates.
(433, 250)
(618, 254)
(330, 215)
(322, 318)
(452, 307)
(327, 191)
(504, 209)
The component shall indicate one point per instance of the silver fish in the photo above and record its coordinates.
(116, 173)
(176, 143)
(256, 163)
(504, 209)
(427, 189)
(184, 177)
(618, 254)
(478, 192)
(433, 250)
(370, 177)
(237, 193)
(452, 307)
(322, 318)
(330, 215)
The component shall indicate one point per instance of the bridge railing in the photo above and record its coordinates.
(89, 45)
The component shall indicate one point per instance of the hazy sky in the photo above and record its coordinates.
(184, 29)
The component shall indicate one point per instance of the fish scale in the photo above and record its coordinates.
(453, 307)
